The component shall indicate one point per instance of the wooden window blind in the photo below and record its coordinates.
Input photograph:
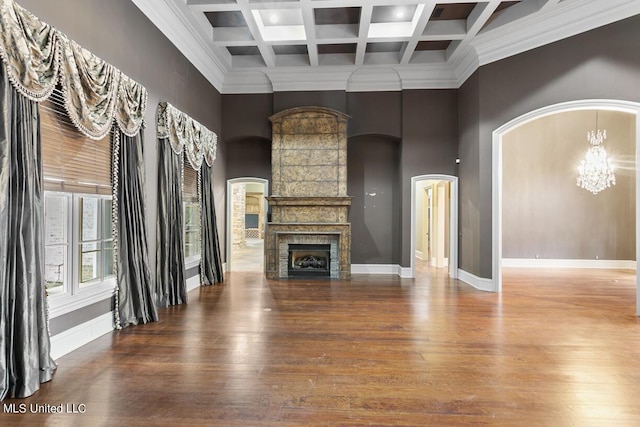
(71, 162)
(190, 185)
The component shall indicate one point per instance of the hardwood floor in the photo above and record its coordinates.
(556, 348)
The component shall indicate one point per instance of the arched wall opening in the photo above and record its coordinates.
(572, 251)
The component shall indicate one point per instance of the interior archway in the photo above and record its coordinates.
(498, 171)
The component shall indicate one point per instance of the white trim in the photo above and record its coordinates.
(193, 282)
(568, 263)
(375, 269)
(496, 171)
(390, 269)
(66, 303)
(453, 222)
(74, 338)
(479, 283)
(419, 254)
(188, 35)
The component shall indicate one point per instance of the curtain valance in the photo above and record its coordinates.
(184, 132)
(37, 56)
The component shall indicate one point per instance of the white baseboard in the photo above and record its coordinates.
(419, 255)
(193, 282)
(479, 283)
(392, 269)
(374, 269)
(569, 263)
(74, 338)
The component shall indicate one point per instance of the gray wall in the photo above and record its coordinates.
(603, 63)
(372, 181)
(429, 146)
(119, 33)
(545, 214)
(393, 136)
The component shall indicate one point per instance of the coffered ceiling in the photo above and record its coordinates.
(253, 46)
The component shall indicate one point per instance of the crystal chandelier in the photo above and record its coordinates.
(596, 170)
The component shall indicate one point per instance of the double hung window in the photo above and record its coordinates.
(191, 212)
(78, 253)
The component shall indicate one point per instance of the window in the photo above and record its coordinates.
(78, 252)
(96, 240)
(192, 224)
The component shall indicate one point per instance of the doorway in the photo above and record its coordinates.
(497, 174)
(247, 219)
(434, 224)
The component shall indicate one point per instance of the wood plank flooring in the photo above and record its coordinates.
(556, 348)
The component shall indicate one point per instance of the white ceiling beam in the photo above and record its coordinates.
(365, 21)
(423, 19)
(266, 51)
(476, 20)
(309, 28)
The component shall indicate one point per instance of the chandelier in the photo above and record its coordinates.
(596, 171)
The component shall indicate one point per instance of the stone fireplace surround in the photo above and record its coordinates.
(309, 204)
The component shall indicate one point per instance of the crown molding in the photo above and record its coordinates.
(247, 81)
(548, 26)
(431, 76)
(174, 20)
(309, 79)
(372, 80)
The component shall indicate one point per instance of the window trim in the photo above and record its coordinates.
(75, 296)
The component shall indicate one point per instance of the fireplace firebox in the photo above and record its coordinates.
(308, 260)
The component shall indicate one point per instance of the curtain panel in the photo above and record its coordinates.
(183, 134)
(25, 346)
(97, 95)
(170, 269)
(210, 262)
(134, 292)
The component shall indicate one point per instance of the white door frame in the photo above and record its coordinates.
(245, 180)
(586, 104)
(453, 220)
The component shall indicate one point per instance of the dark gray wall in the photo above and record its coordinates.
(378, 113)
(469, 175)
(602, 63)
(247, 115)
(118, 32)
(429, 145)
(249, 157)
(372, 181)
(335, 99)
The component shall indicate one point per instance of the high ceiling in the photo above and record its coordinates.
(251, 46)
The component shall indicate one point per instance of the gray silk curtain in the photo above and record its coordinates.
(170, 269)
(182, 133)
(134, 294)
(24, 334)
(211, 263)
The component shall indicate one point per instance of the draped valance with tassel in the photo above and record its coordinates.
(184, 132)
(37, 57)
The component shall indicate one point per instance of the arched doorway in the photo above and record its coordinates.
(428, 238)
(497, 173)
(246, 222)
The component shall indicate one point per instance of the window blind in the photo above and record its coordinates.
(190, 185)
(71, 162)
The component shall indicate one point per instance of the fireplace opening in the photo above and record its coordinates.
(307, 260)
